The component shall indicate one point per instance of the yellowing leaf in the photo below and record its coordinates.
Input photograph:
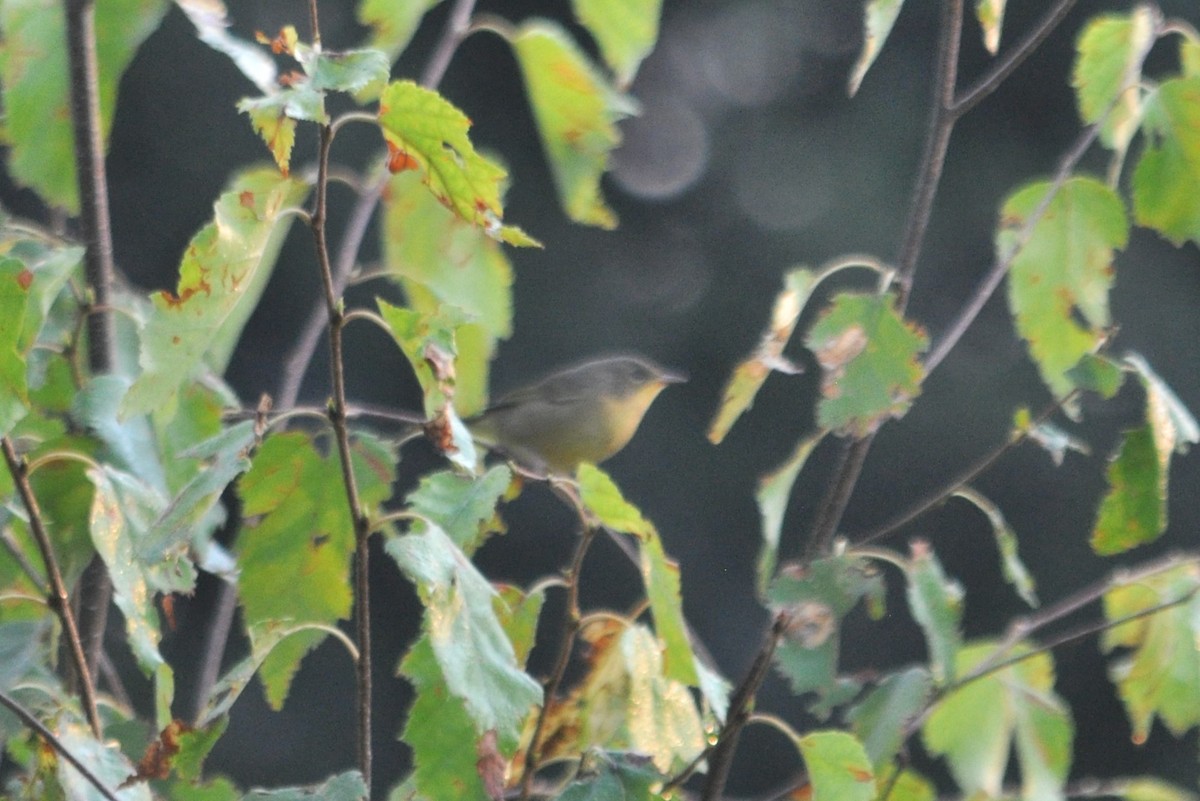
(576, 114)
(868, 356)
(1108, 69)
(431, 132)
(990, 14)
(774, 492)
(626, 31)
(393, 22)
(1164, 182)
(879, 17)
(1059, 282)
(748, 377)
(221, 277)
(1160, 674)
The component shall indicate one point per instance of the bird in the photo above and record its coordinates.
(583, 413)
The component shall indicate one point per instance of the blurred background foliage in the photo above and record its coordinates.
(747, 159)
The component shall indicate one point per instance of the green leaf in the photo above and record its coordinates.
(221, 278)
(661, 577)
(774, 492)
(348, 786)
(33, 71)
(838, 766)
(1189, 57)
(440, 732)
(428, 342)
(576, 113)
(748, 377)
(1059, 281)
(881, 719)
(295, 550)
(1108, 72)
(976, 726)
(1158, 669)
(392, 22)
(1015, 572)
(868, 356)
(123, 509)
(613, 776)
(431, 132)
(104, 760)
(23, 648)
(462, 506)
(936, 604)
(441, 260)
(816, 599)
(14, 294)
(195, 744)
(350, 71)
(476, 657)
(1097, 374)
(1169, 168)
(879, 17)
(601, 496)
(990, 14)
(1134, 511)
(625, 31)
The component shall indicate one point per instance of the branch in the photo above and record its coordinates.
(58, 599)
(991, 80)
(1000, 269)
(721, 758)
(98, 260)
(32, 722)
(571, 626)
(296, 363)
(967, 476)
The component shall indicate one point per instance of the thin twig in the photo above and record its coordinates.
(98, 261)
(32, 722)
(1000, 268)
(337, 419)
(571, 626)
(58, 598)
(991, 80)
(967, 476)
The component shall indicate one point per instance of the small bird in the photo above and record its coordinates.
(584, 413)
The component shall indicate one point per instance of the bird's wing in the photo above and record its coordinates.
(556, 390)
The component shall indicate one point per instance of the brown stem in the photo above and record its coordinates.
(32, 722)
(58, 598)
(739, 712)
(92, 184)
(337, 418)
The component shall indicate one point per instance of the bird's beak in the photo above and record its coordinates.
(673, 377)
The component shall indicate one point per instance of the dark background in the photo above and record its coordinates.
(748, 159)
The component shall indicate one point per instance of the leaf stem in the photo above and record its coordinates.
(32, 722)
(58, 598)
